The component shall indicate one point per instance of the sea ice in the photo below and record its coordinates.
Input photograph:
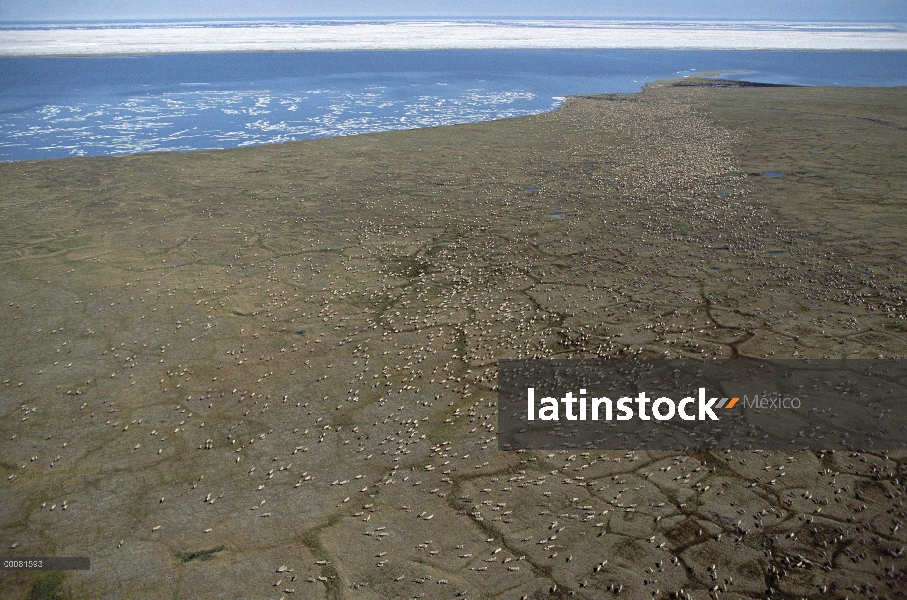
(145, 38)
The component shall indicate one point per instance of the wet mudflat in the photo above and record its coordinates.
(269, 372)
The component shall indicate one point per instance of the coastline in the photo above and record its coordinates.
(121, 105)
(698, 79)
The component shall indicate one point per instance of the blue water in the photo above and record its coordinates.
(56, 107)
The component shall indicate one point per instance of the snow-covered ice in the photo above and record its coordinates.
(141, 38)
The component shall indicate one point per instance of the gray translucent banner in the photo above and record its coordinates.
(46, 563)
(742, 404)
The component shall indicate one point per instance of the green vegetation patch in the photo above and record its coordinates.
(48, 587)
(186, 557)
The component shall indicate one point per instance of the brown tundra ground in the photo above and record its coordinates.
(269, 372)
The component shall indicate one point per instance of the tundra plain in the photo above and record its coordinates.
(269, 372)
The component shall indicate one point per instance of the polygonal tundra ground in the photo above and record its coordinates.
(269, 372)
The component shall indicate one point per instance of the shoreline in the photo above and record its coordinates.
(705, 79)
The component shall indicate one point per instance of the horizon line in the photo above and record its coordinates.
(253, 19)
